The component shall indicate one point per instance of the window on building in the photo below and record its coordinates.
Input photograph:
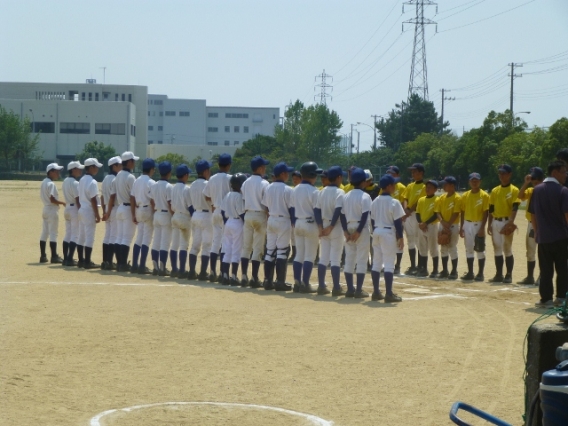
(150, 142)
(245, 129)
(235, 115)
(106, 95)
(236, 143)
(132, 130)
(274, 116)
(236, 129)
(184, 113)
(96, 97)
(212, 129)
(129, 97)
(123, 97)
(110, 129)
(43, 127)
(213, 115)
(148, 113)
(158, 102)
(160, 128)
(75, 128)
(161, 113)
(90, 96)
(82, 96)
(150, 128)
(227, 129)
(160, 142)
(170, 113)
(227, 143)
(116, 97)
(212, 143)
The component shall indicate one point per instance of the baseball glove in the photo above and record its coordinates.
(444, 237)
(508, 229)
(479, 245)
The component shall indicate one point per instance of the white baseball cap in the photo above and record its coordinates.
(53, 166)
(114, 160)
(75, 165)
(92, 162)
(128, 155)
(368, 174)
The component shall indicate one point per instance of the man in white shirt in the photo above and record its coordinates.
(50, 199)
(71, 213)
(181, 222)
(254, 231)
(216, 189)
(161, 194)
(88, 212)
(144, 218)
(111, 227)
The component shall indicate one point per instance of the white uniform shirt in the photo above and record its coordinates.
(253, 190)
(70, 190)
(385, 210)
(197, 198)
(217, 187)
(181, 198)
(122, 186)
(304, 199)
(233, 205)
(355, 203)
(161, 193)
(88, 189)
(48, 189)
(330, 198)
(141, 190)
(107, 188)
(277, 199)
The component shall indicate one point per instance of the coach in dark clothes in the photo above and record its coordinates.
(549, 209)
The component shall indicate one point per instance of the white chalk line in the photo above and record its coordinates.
(315, 420)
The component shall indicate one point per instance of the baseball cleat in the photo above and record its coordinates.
(142, 270)
(212, 277)
(468, 276)
(173, 274)
(411, 271)
(282, 287)
(497, 279)
(155, 272)
(479, 278)
(164, 272)
(360, 294)
(71, 262)
(392, 298)
(56, 259)
(453, 275)
(234, 282)
(422, 273)
(255, 283)
(296, 288)
(91, 265)
(444, 275)
(307, 289)
(508, 279)
(338, 292)
(322, 291)
(527, 281)
(191, 275)
(350, 293)
(203, 276)
(43, 259)
(80, 263)
(244, 281)
(434, 275)
(396, 270)
(376, 296)
(268, 285)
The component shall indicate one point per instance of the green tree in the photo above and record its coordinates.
(408, 120)
(175, 159)
(557, 139)
(319, 140)
(258, 145)
(18, 146)
(98, 150)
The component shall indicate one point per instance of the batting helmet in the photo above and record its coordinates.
(310, 170)
(237, 181)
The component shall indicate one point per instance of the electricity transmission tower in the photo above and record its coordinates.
(323, 86)
(418, 71)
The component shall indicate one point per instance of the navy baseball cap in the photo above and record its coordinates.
(386, 180)
(296, 173)
(182, 170)
(257, 162)
(282, 168)
(148, 163)
(165, 167)
(505, 168)
(393, 169)
(417, 166)
(202, 165)
(474, 175)
(432, 182)
(450, 179)
(225, 159)
(537, 173)
(334, 172)
(358, 175)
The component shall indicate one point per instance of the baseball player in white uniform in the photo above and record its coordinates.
(71, 213)
(161, 194)
(144, 205)
(303, 201)
(181, 222)
(254, 232)
(277, 200)
(215, 191)
(386, 220)
(109, 216)
(201, 223)
(328, 211)
(50, 215)
(354, 220)
(296, 179)
(233, 213)
(88, 212)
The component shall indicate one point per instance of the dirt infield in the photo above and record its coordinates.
(77, 343)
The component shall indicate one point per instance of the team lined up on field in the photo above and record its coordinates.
(236, 219)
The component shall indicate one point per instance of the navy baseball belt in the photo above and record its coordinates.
(126, 204)
(204, 211)
(138, 207)
(164, 211)
(255, 211)
(500, 219)
(305, 218)
(278, 215)
(72, 204)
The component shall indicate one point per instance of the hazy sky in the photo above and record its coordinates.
(267, 53)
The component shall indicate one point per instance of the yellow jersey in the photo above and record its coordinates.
(474, 205)
(348, 188)
(322, 187)
(448, 205)
(502, 199)
(398, 193)
(426, 207)
(413, 192)
(528, 196)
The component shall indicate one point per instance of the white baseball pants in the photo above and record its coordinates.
(254, 235)
(278, 232)
(331, 246)
(470, 230)
(202, 231)
(71, 215)
(412, 231)
(218, 225)
(428, 240)
(452, 248)
(111, 228)
(233, 240)
(357, 253)
(145, 226)
(384, 249)
(307, 238)
(50, 224)
(502, 244)
(126, 227)
(87, 226)
(162, 231)
(530, 244)
(181, 231)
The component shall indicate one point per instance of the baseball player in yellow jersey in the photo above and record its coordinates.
(475, 209)
(348, 187)
(398, 194)
(413, 192)
(535, 177)
(503, 205)
(448, 210)
(428, 225)
(50, 215)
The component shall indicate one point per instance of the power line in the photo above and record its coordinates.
(460, 11)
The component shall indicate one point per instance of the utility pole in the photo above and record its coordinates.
(104, 74)
(358, 137)
(323, 86)
(444, 99)
(401, 117)
(351, 139)
(418, 71)
(513, 75)
(375, 129)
